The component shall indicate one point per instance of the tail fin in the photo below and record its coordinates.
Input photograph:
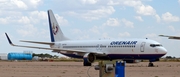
(55, 31)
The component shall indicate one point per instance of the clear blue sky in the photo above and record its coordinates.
(90, 19)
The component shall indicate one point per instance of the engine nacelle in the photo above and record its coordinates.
(88, 59)
(132, 61)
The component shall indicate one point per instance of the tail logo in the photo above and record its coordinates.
(55, 29)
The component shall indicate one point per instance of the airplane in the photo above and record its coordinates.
(171, 37)
(129, 50)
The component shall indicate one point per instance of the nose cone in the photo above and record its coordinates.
(162, 50)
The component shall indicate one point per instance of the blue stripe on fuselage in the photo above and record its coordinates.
(125, 56)
(135, 56)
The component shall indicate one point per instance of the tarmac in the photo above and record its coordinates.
(76, 69)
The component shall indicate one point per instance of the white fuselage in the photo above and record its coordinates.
(116, 49)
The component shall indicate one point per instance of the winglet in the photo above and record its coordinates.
(9, 39)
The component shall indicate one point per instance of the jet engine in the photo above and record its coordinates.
(132, 61)
(88, 59)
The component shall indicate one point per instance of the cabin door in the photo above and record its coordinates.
(59, 45)
(142, 46)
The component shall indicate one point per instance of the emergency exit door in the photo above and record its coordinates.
(142, 47)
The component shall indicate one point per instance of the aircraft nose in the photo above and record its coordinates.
(162, 50)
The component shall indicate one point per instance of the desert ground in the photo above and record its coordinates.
(75, 69)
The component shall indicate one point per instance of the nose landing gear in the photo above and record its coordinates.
(150, 64)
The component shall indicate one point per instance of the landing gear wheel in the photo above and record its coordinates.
(151, 64)
(86, 64)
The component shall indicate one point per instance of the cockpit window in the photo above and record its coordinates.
(155, 45)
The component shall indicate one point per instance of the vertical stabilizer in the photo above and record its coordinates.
(55, 31)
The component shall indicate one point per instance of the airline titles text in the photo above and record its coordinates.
(123, 43)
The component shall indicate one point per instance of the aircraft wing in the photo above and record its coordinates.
(60, 50)
(47, 43)
(171, 37)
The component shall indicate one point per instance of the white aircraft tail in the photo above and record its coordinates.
(55, 31)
